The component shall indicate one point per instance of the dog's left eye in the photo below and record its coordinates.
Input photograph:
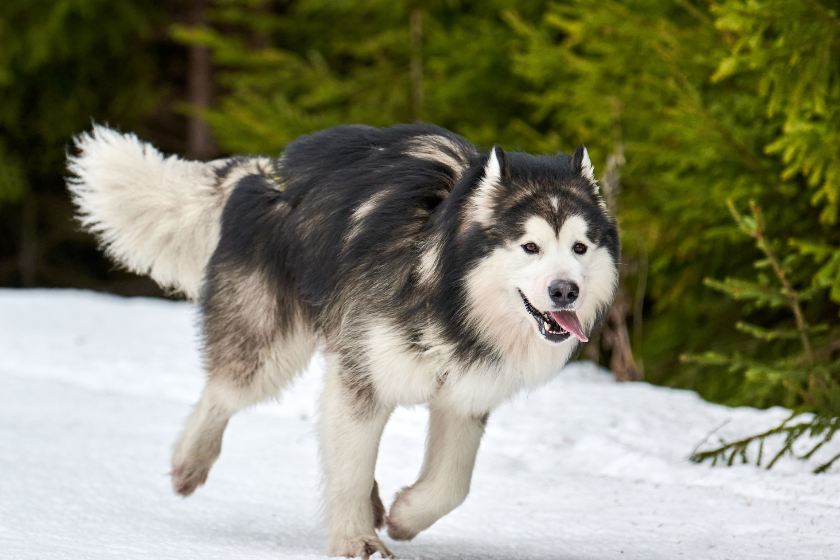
(579, 248)
(531, 248)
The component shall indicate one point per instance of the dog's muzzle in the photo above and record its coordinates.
(555, 326)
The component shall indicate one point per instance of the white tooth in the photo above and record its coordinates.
(546, 326)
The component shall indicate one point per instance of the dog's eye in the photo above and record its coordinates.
(579, 248)
(531, 248)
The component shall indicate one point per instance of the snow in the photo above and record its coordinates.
(94, 389)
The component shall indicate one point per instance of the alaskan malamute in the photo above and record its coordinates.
(425, 270)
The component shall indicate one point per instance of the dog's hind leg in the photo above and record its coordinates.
(351, 424)
(200, 443)
(251, 354)
(224, 395)
(444, 481)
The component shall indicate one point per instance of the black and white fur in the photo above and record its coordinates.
(405, 255)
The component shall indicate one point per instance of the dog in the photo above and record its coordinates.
(425, 270)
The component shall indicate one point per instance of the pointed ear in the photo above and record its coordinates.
(479, 209)
(582, 165)
(496, 166)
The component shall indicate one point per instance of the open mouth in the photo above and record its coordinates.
(555, 326)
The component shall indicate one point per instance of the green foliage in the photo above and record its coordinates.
(288, 71)
(12, 181)
(61, 65)
(64, 63)
(281, 86)
(807, 376)
(828, 259)
(811, 428)
(791, 50)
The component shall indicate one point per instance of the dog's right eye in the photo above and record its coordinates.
(531, 248)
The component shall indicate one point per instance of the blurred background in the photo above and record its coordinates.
(691, 111)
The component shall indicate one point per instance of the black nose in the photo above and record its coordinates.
(563, 292)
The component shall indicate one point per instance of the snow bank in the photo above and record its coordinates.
(94, 388)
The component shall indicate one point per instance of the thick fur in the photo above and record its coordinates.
(155, 215)
(404, 254)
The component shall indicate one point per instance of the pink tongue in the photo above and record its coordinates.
(569, 321)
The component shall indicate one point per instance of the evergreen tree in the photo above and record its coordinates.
(63, 64)
(294, 68)
(807, 372)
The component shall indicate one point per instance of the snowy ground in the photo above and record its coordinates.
(94, 388)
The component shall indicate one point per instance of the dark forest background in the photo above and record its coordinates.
(692, 111)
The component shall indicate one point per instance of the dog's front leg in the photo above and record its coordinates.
(444, 482)
(351, 426)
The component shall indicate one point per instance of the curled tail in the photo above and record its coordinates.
(154, 214)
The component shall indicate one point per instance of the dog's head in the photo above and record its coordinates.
(548, 249)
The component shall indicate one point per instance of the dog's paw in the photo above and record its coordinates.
(400, 520)
(399, 532)
(362, 546)
(416, 508)
(189, 475)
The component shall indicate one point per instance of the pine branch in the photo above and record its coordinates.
(825, 466)
(743, 289)
(775, 334)
(817, 427)
(757, 232)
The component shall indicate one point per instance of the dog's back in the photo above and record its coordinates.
(163, 216)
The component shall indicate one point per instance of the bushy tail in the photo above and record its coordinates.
(154, 214)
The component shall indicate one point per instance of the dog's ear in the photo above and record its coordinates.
(582, 165)
(481, 202)
(496, 167)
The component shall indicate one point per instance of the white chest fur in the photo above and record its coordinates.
(402, 376)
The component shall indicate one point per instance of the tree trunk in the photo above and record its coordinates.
(617, 338)
(614, 332)
(28, 254)
(200, 143)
